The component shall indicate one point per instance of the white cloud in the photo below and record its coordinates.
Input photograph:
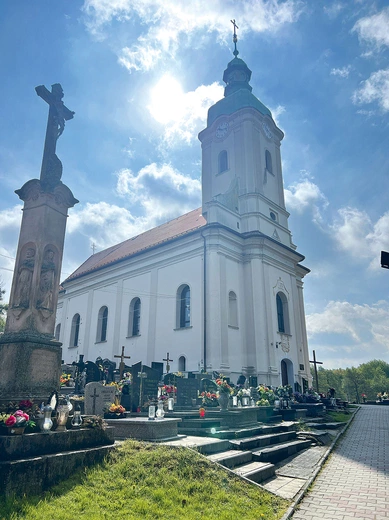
(333, 10)
(171, 24)
(183, 115)
(305, 195)
(362, 329)
(342, 73)
(162, 191)
(374, 29)
(276, 112)
(355, 233)
(376, 88)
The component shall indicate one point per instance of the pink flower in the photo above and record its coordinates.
(19, 413)
(10, 421)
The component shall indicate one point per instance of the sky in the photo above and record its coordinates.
(141, 75)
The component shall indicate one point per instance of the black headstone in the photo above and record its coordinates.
(93, 372)
(253, 381)
(149, 385)
(186, 391)
(158, 367)
(207, 385)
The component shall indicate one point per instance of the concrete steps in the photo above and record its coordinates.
(260, 441)
(253, 457)
(280, 451)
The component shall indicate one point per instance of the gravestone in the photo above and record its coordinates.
(253, 381)
(98, 398)
(148, 385)
(158, 367)
(186, 391)
(93, 372)
(208, 385)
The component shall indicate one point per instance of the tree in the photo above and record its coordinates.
(3, 307)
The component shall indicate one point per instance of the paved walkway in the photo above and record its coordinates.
(354, 482)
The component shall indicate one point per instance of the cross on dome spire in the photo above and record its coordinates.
(235, 38)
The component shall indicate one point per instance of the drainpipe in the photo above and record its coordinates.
(205, 303)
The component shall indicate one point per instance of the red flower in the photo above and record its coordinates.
(10, 421)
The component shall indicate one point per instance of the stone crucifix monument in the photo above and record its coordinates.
(30, 358)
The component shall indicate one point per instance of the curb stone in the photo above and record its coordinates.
(292, 508)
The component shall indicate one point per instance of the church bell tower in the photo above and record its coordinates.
(242, 185)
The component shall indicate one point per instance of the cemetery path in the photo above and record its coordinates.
(354, 482)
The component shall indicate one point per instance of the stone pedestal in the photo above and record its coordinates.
(30, 369)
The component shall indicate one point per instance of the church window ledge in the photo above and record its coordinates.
(184, 328)
(103, 341)
(233, 327)
(72, 346)
(133, 336)
(223, 172)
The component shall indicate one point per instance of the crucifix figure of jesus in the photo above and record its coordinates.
(51, 170)
(167, 362)
(122, 364)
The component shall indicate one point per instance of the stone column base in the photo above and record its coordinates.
(30, 368)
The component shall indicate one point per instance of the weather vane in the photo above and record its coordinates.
(235, 38)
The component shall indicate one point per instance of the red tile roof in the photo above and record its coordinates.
(156, 236)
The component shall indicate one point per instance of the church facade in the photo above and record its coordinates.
(219, 288)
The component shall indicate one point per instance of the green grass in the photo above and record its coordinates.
(142, 481)
(338, 416)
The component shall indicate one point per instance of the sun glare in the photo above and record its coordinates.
(167, 100)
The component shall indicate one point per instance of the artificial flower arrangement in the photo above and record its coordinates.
(223, 386)
(266, 396)
(65, 379)
(116, 408)
(19, 419)
(244, 392)
(209, 399)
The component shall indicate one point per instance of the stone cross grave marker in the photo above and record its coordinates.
(98, 398)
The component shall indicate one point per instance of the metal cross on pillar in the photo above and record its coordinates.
(315, 363)
(167, 362)
(122, 364)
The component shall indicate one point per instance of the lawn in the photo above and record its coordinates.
(141, 481)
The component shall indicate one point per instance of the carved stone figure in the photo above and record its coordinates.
(51, 171)
(46, 283)
(23, 287)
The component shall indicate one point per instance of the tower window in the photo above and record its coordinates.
(57, 331)
(222, 161)
(232, 310)
(269, 165)
(102, 323)
(282, 313)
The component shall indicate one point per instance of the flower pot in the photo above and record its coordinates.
(223, 402)
(16, 431)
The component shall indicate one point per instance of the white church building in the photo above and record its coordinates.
(219, 288)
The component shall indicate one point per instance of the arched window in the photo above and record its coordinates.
(102, 323)
(181, 364)
(183, 307)
(57, 331)
(75, 331)
(282, 313)
(134, 318)
(269, 165)
(222, 161)
(232, 310)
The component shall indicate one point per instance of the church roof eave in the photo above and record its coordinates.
(236, 101)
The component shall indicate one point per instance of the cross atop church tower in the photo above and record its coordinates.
(235, 38)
